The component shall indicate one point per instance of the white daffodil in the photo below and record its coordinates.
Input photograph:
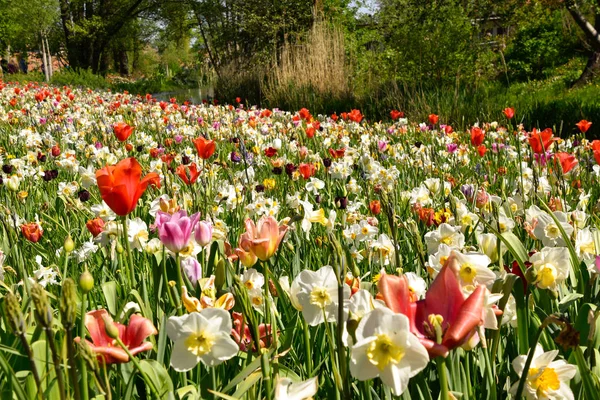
(201, 336)
(446, 234)
(286, 389)
(584, 244)
(316, 293)
(252, 279)
(386, 348)
(314, 185)
(383, 250)
(437, 260)
(551, 266)
(548, 231)
(474, 269)
(546, 379)
(416, 285)
(488, 244)
(311, 217)
(137, 232)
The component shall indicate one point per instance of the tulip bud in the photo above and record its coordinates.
(203, 233)
(68, 303)
(120, 248)
(220, 274)
(86, 282)
(43, 311)
(111, 329)
(12, 310)
(69, 245)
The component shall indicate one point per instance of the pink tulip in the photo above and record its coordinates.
(460, 316)
(203, 233)
(263, 238)
(175, 230)
(132, 336)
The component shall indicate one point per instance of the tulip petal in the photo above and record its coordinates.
(468, 318)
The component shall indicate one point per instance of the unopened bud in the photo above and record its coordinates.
(68, 303)
(43, 311)
(86, 352)
(86, 282)
(14, 315)
(120, 248)
(111, 329)
(531, 275)
(220, 274)
(69, 245)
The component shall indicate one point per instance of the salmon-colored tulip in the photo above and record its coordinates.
(132, 336)
(263, 238)
(457, 317)
(122, 185)
(32, 231)
(204, 147)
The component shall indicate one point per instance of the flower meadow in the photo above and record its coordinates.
(177, 251)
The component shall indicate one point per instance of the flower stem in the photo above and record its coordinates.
(586, 375)
(443, 376)
(129, 254)
(56, 362)
(83, 366)
(307, 348)
(137, 366)
(180, 283)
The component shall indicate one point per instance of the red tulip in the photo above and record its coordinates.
(433, 119)
(540, 142)
(32, 231)
(121, 185)
(238, 100)
(95, 226)
(596, 149)
(204, 147)
(355, 116)
(481, 149)
(477, 136)
(460, 316)
(567, 161)
(509, 112)
(304, 114)
(583, 125)
(122, 131)
(132, 336)
(375, 207)
(310, 131)
(339, 153)
(306, 170)
(395, 114)
(270, 152)
(189, 175)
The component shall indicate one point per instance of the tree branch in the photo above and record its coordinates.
(588, 29)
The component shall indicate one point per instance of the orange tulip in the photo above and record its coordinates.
(95, 226)
(433, 119)
(32, 231)
(122, 185)
(567, 161)
(263, 238)
(596, 149)
(477, 136)
(584, 125)
(375, 207)
(540, 142)
(189, 175)
(509, 112)
(122, 131)
(204, 147)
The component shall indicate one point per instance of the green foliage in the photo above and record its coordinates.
(79, 78)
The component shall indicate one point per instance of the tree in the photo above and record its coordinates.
(592, 34)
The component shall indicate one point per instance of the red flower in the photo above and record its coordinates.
(395, 114)
(567, 161)
(55, 151)
(238, 100)
(448, 129)
(243, 336)
(375, 207)
(132, 336)
(481, 149)
(355, 116)
(306, 170)
(310, 131)
(95, 226)
(596, 149)
(339, 153)
(270, 152)
(204, 147)
(32, 231)
(265, 114)
(460, 316)
(477, 136)
(122, 131)
(334, 117)
(583, 125)
(509, 112)
(305, 114)
(121, 185)
(433, 119)
(540, 142)
(189, 175)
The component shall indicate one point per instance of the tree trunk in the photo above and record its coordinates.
(50, 68)
(44, 60)
(591, 70)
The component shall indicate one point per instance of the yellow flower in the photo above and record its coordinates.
(269, 183)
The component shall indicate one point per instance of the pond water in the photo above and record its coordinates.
(195, 95)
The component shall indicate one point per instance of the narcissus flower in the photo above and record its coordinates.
(286, 389)
(386, 348)
(201, 336)
(132, 335)
(551, 267)
(546, 379)
(122, 185)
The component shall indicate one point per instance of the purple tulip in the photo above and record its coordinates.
(175, 230)
(451, 147)
(203, 233)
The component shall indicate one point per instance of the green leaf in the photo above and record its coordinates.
(247, 384)
(250, 368)
(159, 377)
(567, 300)
(110, 294)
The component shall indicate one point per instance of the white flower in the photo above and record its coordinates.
(488, 244)
(137, 231)
(446, 234)
(103, 211)
(551, 266)
(383, 250)
(86, 250)
(286, 389)
(314, 185)
(416, 285)
(548, 231)
(201, 336)
(546, 379)
(252, 279)
(88, 176)
(584, 244)
(473, 269)
(312, 217)
(44, 275)
(386, 348)
(316, 293)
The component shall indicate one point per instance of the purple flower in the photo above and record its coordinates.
(178, 138)
(468, 190)
(192, 269)
(451, 147)
(175, 230)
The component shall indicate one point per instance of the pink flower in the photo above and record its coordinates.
(203, 233)
(132, 336)
(175, 230)
(263, 238)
